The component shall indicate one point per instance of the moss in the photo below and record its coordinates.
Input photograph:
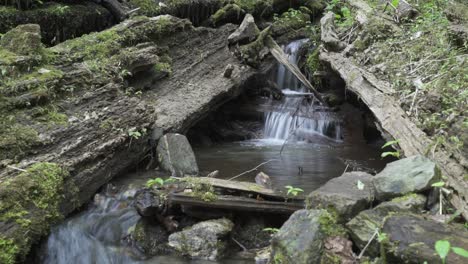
(148, 7)
(201, 189)
(291, 20)
(8, 251)
(230, 13)
(31, 201)
(279, 258)
(15, 139)
(251, 52)
(329, 224)
(405, 197)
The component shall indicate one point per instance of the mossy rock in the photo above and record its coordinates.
(58, 21)
(29, 204)
(23, 40)
(291, 20)
(230, 13)
(254, 52)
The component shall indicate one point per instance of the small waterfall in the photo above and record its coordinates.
(295, 117)
(96, 235)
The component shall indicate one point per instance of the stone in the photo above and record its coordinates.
(150, 237)
(412, 239)
(228, 71)
(263, 256)
(252, 234)
(408, 175)
(328, 34)
(263, 179)
(300, 239)
(204, 240)
(247, 31)
(147, 203)
(362, 227)
(338, 249)
(176, 155)
(342, 194)
(23, 40)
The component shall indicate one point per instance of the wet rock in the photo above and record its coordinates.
(300, 239)
(230, 13)
(150, 237)
(362, 227)
(412, 239)
(328, 34)
(176, 155)
(254, 52)
(23, 40)
(348, 194)
(247, 31)
(412, 174)
(263, 256)
(263, 179)
(140, 58)
(147, 203)
(203, 240)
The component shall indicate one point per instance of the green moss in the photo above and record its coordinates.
(228, 13)
(291, 20)
(148, 7)
(405, 197)
(8, 251)
(251, 52)
(201, 189)
(15, 139)
(31, 201)
(329, 224)
(279, 258)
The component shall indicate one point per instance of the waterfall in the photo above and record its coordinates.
(296, 117)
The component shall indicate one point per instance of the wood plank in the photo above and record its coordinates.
(236, 203)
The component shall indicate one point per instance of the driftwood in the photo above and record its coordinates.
(236, 203)
(377, 95)
(281, 57)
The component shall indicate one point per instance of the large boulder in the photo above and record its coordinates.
(362, 227)
(23, 40)
(247, 31)
(412, 239)
(176, 155)
(300, 239)
(412, 174)
(204, 240)
(347, 195)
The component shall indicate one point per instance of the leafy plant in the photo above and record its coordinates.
(293, 190)
(157, 181)
(395, 154)
(271, 230)
(440, 186)
(442, 247)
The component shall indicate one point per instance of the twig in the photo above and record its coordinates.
(238, 243)
(347, 165)
(368, 243)
(245, 172)
(414, 99)
(16, 168)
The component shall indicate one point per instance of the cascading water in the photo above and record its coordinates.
(296, 118)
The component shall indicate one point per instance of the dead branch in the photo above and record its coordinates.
(254, 169)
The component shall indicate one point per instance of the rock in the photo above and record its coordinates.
(203, 240)
(23, 40)
(362, 227)
(412, 239)
(230, 13)
(328, 35)
(263, 179)
(150, 237)
(300, 239)
(176, 155)
(147, 203)
(228, 71)
(254, 52)
(412, 174)
(343, 195)
(213, 174)
(252, 234)
(338, 249)
(247, 31)
(263, 256)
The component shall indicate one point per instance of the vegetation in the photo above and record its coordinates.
(443, 248)
(294, 191)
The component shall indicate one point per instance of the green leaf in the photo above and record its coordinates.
(460, 251)
(390, 143)
(360, 185)
(438, 184)
(394, 154)
(442, 248)
(395, 3)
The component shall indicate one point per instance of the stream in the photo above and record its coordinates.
(313, 149)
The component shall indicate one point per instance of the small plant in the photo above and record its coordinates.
(442, 247)
(293, 190)
(157, 181)
(395, 154)
(271, 230)
(440, 185)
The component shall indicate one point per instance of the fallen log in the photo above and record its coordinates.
(281, 57)
(236, 203)
(377, 95)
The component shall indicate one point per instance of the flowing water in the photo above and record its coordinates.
(316, 151)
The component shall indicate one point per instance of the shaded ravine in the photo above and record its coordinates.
(101, 233)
